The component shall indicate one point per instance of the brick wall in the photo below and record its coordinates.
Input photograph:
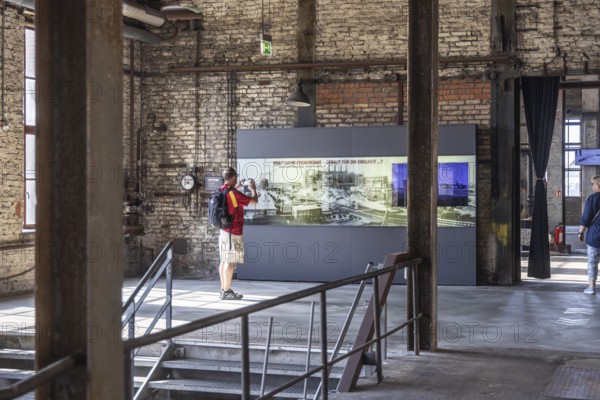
(376, 103)
(195, 109)
(558, 34)
(357, 104)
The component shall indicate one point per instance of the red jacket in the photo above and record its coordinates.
(235, 207)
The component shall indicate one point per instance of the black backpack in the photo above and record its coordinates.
(218, 216)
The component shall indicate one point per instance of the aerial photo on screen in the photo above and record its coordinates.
(359, 191)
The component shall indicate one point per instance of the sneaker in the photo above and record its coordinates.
(230, 295)
(589, 290)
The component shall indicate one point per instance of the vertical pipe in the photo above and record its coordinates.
(131, 325)
(400, 100)
(410, 307)
(309, 347)
(324, 362)
(415, 304)
(346, 326)
(245, 359)
(128, 368)
(377, 321)
(385, 329)
(169, 283)
(266, 361)
(131, 109)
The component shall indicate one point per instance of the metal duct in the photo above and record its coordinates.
(141, 13)
(22, 3)
(144, 14)
(180, 13)
(131, 32)
(135, 11)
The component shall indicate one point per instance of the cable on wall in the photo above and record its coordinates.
(231, 116)
(4, 120)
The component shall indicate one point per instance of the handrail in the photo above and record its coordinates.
(161, 265)
(156, 264)
(42, 376)
(198, 324)
(243, 313)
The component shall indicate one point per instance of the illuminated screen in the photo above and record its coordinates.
(359, 191)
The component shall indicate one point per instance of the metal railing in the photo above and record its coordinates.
(243, 313)
(161, 265)
(43, 376)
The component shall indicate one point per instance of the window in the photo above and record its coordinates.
(29, 112)
(572, 171)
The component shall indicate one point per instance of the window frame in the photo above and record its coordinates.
(28, 130)
(568, 148)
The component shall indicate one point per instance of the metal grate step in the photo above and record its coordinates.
(17, 354)
(206, 386)
(28, 396)
(16, 374)
(236, 366)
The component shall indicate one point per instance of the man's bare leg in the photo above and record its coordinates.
(226, 273)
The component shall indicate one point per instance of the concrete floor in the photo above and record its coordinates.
(494, 342)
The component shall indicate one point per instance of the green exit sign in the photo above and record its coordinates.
(266, 44)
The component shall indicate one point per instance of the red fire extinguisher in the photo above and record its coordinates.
(559, 234)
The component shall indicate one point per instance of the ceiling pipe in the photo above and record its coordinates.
(348, 64)
(579, 85)
(22, 3)
(141, 35)
(133, 10)
(144, 14)
(180, 13)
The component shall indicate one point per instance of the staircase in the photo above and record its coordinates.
(215, 369)
(192, 369)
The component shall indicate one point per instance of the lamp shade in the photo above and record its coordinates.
(298, 98)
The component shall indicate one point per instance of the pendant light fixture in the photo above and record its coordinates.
(298, 98)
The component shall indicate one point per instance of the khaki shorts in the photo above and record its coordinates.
(235, 254)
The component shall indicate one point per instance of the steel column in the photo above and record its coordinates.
(502, 264)
(79, 150)
(423, 157)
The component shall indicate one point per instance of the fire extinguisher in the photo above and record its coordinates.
(559, 234)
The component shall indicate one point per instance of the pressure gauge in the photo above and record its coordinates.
(188, 182)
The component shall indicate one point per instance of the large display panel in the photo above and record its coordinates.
(357, 191)
(333, 199)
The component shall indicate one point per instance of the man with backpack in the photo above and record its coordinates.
(231, 244)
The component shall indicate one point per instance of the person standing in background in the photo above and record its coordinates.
(589, 230)
(231, 243)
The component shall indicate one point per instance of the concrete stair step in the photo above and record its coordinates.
(236, 366)
(211, 386)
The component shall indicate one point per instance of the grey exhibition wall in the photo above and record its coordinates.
(326, 253)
